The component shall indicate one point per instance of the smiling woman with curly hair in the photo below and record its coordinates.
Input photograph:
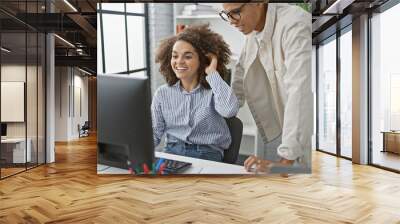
(203, 41)
(191, 107)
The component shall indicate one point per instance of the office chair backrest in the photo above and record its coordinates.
(236, 129)
(86, 125)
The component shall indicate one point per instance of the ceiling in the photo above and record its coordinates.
(76, 22)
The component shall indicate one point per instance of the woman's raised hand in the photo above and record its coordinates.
(212, 67)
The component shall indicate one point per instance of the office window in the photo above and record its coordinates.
(346, 94)
(135, 8)
(122, 42)
(114, 43)
(327, 96)
(116, 7)
(385, 88)
(136, 42)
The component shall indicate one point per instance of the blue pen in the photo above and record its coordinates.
(160, 161)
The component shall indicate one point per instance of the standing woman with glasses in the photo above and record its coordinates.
(274, 76)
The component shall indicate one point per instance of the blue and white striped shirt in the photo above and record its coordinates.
(195, 117)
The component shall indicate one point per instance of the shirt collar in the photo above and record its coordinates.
(266, 33)
(179, 86)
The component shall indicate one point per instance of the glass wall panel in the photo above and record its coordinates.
(31, 98)
(385, 89)
(327, 96)
(22, 92)
(13, 90)
(41, 99)
(346, 94)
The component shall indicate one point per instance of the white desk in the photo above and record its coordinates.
(19, 149)
(199, 166)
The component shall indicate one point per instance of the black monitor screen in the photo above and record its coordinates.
(124, 121)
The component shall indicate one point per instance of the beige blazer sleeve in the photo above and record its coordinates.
(298, 113)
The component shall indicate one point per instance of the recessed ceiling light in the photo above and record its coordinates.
(84, 71)
(70, 5)
(5, 50)
(338, 6)
(64, 40)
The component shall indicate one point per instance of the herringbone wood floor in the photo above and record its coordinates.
(69, 191)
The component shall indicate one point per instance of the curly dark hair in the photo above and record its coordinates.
(204, 41)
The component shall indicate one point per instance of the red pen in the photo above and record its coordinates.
(162, 166)
(145, 168)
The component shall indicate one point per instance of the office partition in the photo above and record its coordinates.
(22, 65)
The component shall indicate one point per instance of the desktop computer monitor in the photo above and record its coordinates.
(124, 121)
(3, 130)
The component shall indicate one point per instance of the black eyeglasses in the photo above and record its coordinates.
(233, 15)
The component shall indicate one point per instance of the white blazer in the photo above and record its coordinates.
(280, 98)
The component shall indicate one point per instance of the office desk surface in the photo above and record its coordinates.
(13, 140)
(18, 152)
(199, 166)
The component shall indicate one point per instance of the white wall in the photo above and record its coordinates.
(70, 83)
(80, 82)
(33, 126)
(161, 25)
(61, 103)
(12, 73)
